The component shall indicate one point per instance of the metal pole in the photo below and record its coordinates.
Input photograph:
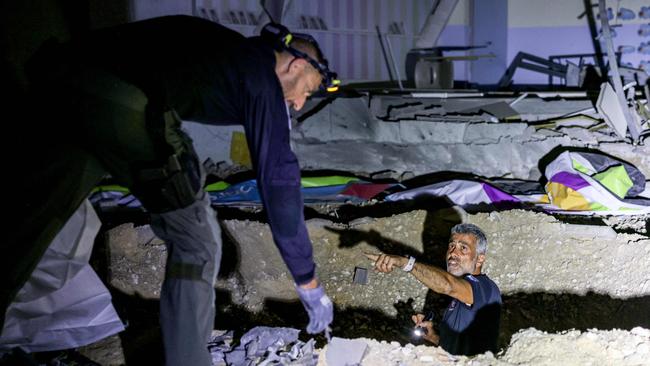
(390, 51)
(633, 127)
(383, 51)
(591, 22)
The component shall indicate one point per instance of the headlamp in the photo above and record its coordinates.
(280, 36)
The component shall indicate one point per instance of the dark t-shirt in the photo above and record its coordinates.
(473, 329)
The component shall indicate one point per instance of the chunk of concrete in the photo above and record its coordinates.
(345, 352)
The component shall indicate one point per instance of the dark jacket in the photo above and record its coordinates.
(210, 74)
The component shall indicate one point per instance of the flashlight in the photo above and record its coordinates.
(421, 331)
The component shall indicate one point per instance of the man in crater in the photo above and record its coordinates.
(470, 324)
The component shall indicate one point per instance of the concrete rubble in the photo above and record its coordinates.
(556, 273)
(417, 136)
(528, 347)
(547, 269)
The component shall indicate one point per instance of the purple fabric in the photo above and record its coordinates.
(570, 180)
(497, 195)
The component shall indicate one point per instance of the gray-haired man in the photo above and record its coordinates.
(470, 324)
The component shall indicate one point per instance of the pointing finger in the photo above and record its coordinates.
(372, 257)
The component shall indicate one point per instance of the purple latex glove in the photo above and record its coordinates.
(318, 306)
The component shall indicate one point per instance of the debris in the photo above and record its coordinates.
(345, 352)
(611, 110)
(632, 124)
(264, 346)
(527, 61)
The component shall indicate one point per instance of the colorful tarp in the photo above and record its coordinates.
(354, 191)
(467, 192)
(589, 182)
(578, 183)
(315, 189)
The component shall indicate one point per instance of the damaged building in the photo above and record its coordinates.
(525, 118)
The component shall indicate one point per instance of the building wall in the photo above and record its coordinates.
(552, 27)
(350, 41)
(489, 28)
(539, 27)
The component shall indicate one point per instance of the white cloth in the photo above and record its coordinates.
(64, 304)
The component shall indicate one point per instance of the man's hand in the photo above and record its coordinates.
(431, 335)
(386, 262)
(318, 306)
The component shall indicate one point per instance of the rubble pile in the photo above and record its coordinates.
(555, 276)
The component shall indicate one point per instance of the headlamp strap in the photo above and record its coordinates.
(281, 38)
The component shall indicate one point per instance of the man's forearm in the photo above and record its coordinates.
(433, 277)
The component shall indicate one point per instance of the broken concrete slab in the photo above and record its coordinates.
(537, 109)
(530, 109)
(610, 108)
(348, 135)
(343, 119)
(501, 110)
(511, 157)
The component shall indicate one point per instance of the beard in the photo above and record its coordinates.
(457, 268)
